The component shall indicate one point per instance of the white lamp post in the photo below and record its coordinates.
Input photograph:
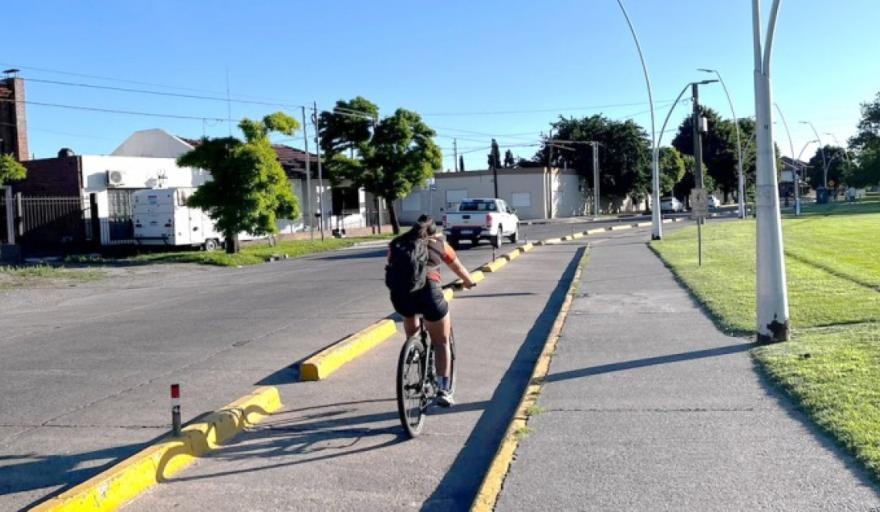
(772, 289)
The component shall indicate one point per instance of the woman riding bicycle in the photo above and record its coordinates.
(428, 301)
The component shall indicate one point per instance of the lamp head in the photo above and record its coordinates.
(704, 70)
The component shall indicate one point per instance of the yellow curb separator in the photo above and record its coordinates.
(123, 482)
(527, 247)
(494, 265)
(619, 227)
(490, 488)
(322, 364)
(595, 231)
(512, 255)
(644, 224)
(448, 294)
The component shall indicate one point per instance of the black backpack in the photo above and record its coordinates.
(407, 266)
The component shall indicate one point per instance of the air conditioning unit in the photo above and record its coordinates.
(115, 179)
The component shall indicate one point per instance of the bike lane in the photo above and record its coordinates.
(338, 444)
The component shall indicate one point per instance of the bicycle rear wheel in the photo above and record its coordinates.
(452, 371)
(411, 398)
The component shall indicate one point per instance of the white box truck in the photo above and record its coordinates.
(162, 217)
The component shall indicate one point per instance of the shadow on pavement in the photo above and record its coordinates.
(649, 361)
(317, 433)
(463, 479)
(31, 472)
(355, 255)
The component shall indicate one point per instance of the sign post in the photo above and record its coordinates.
(699, 211)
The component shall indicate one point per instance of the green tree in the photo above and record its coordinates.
(837, 162)
(11, 169)
(866, 173)
(672, 169)
(868, 135)
(719, 148)
(248, 190)
(682, 189)
(624, 155)
(398, 154)
(508, 159)
(349, 125)
(494, 157)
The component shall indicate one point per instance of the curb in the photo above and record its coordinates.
(327, 361)
(123, 482)
(527, 247)
(493, 481)
(494, 265)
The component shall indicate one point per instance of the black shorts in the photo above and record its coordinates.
(429, 302)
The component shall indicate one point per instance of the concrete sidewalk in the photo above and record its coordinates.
(648, 406)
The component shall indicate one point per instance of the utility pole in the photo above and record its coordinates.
(320, 174)
(698, 139)
(455, 154)
(595, 145)
(772, 289)
(307, 218)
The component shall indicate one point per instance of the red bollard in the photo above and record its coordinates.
(175, 409)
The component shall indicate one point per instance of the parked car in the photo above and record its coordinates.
(671, 204)
(714, 202)
(481, 218)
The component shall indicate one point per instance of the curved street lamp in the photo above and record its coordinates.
(656, 223)
(822, 147)
(739, 160)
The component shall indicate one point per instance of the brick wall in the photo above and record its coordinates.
(51, 177)
(13, 119)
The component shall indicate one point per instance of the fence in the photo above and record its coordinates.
(47, 223)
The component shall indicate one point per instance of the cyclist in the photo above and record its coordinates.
(429, 302)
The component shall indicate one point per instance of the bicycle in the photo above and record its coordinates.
(417, 379)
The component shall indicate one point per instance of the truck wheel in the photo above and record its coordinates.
(515, 236)
(210, 245)
(498, 239)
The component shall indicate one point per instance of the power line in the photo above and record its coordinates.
(114, 111)
(159, 93)
(538, 111)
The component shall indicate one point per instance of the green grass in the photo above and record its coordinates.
(725, 283)
(255, 253)
(24, 276)
(832, 366)
(835, 375)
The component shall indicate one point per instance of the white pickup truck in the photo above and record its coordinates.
(481, 218)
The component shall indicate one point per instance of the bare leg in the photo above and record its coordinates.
(439, 332)
(410, 325)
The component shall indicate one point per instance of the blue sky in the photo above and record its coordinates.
(473, 69)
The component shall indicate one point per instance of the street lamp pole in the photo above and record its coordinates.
(656, 223)
(739, 161)
(772, 289)
(822, 148)
(797, 181)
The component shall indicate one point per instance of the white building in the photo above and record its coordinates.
(535, 192)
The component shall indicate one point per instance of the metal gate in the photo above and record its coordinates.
(47, 223)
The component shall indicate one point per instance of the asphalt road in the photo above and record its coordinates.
(85, 372)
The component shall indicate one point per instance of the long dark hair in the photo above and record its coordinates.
(421, 229)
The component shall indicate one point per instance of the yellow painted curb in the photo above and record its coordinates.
(497, 472)
(448, 294)
(644, 224)
(619, 227)
(667, 221)
(512, 255)
(477, 276)
(595, 231)
(494, 265)
(576, 236)
(550, 241)
(123, 482)
(332, 358)
(527, 247)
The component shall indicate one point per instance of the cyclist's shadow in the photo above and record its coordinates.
(317, 433)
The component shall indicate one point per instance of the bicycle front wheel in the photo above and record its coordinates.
(412, 400)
